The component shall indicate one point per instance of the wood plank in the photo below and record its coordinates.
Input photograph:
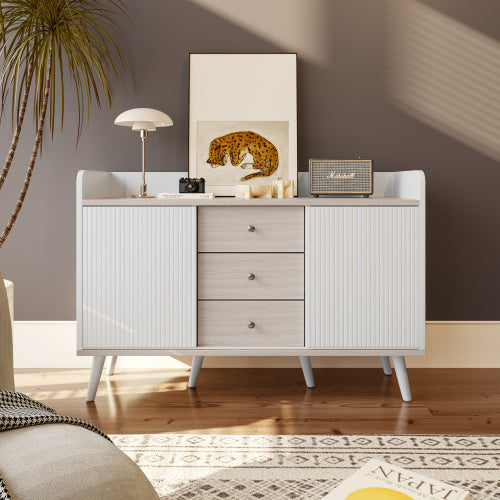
(275, 401)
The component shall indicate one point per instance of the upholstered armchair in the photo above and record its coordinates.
(61, 461)
(6, 354)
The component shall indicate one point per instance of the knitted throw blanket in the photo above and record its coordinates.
(18, 410)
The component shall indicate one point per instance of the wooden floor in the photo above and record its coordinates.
(275, 401)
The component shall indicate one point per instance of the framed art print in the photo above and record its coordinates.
(242, 119)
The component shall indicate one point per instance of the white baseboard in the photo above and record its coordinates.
(450, 344)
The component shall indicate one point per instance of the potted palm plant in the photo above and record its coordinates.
(43, 43)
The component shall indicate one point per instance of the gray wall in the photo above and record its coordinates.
(394, 80)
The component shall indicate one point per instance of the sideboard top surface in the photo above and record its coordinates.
(94, 188)
(276, 202)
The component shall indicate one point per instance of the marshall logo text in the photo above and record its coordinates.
(335, 175)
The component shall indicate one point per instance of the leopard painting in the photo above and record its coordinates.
(236, 145)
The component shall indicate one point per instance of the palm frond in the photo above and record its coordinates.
(80, 38)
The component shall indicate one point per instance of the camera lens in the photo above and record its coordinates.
(190, 186)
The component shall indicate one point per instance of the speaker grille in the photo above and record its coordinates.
(341, 176)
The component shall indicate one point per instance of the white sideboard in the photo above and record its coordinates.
(294, 277)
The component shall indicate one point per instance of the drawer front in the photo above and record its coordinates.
(259, 276)
(226, 323)
(251, 229)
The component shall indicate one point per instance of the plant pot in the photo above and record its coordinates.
(10, 295)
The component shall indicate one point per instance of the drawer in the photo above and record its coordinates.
(224, 323)
(251, 229)
(264, 276)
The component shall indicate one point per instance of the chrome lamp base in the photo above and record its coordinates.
(144, 193)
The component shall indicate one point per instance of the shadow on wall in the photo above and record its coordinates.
(445, 73)
(368, 87)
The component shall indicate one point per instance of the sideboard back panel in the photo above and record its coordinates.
(138, 277)
(363, 278)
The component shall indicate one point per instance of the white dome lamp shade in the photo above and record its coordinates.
(143, 120)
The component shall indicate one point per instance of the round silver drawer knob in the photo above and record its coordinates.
(251, 228)
(251, 276)
(251, 324)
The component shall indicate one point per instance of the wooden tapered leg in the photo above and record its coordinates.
(305, 362)
(110, 367)
(95, 376)
(195, 370)
(402, 374)
(386, 364)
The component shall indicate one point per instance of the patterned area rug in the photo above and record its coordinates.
(201, 466)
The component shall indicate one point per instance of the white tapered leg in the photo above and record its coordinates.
(195, 370)
(95, 376)
(305, 362)
(402, 374)
(386, 364)
(110, 367)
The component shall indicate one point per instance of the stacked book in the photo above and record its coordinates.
(185, 196)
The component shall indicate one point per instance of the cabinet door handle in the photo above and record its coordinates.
(251, 228)
(251, 276)
(251, 324)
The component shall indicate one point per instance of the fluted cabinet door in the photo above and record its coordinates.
(364, 278)
(138, 277)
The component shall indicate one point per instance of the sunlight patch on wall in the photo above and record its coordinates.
(293, 25)
(444, 73)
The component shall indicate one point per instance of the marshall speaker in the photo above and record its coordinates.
(341, 177)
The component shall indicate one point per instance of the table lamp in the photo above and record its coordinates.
(143, 120)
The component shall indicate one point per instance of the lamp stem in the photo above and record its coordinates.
(144, 187)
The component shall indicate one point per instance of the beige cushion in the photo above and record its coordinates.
(62, 461)
(6, 356)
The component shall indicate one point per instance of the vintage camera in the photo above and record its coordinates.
(187, 185)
